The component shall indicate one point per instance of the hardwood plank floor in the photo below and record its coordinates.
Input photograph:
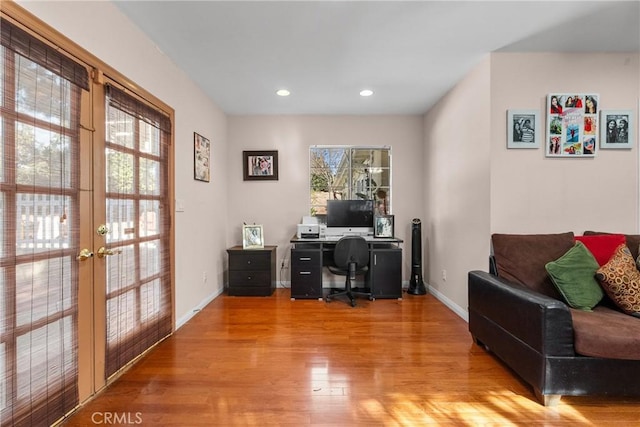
(259, 361)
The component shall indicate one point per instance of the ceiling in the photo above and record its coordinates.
(410, 53)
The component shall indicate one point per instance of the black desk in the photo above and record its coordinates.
(309, 256)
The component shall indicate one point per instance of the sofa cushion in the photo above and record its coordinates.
(573, 274)
(602, 246)
(521, 258)
(621, 281)
(606, 333)
(633, 241)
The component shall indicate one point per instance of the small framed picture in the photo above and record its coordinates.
(616, 129)
(252, 237)
(201, 152)
(523, 129)
(383, 226)
(260, 165)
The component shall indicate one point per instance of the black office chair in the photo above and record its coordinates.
(350, 257)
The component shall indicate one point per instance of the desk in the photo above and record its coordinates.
(309, 256)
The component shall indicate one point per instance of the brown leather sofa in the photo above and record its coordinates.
(516, 313)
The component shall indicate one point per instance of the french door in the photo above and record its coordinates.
(85, 267)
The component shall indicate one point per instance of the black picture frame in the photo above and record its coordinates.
(260, 165)
(383, 226)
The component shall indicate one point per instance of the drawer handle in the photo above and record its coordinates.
(249, 262)
(248, 277)
(305, 273)
(305, 258)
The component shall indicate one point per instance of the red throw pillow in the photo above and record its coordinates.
(602, 246)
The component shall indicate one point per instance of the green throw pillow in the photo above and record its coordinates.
(574, 276)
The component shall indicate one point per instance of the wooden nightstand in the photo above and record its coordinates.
(252, 271)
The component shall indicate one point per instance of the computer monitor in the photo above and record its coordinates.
(350, 217)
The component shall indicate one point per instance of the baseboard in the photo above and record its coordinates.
(184, 319)
(464, 314)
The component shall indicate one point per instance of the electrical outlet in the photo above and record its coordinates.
(204, 277)
(444, 275)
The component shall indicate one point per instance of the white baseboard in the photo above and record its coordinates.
(464, 314)
(184, 319)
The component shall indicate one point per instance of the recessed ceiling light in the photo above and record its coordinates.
(283, 92)
(366, 92)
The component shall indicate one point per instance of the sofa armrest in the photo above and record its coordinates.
(539, 321)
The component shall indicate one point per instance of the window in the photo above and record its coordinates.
(349, 173)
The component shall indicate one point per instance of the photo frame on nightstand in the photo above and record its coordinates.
(252, 237)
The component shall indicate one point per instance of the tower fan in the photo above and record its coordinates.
(416, 284)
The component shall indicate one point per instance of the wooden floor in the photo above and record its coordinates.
(260, 361)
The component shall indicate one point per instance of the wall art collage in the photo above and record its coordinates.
(576, 126)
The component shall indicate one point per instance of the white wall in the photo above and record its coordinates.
(456, 184)
(200, 230)
(280, 205)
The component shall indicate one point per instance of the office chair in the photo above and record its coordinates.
(350, 257)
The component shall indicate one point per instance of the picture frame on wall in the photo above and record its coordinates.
(201, 158)
(523, 129)
(260, 165)
(252, 237)
(572, 124)
(383, 226)
(617, 131)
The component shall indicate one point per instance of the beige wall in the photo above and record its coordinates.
(280, 205)
(475, 186)
(201, 229)
(531, 193)
(456, 185)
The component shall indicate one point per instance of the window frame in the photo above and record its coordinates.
(382, 206)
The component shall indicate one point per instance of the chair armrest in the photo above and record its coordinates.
(541, 322)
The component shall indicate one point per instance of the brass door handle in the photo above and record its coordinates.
(84, 255)
(103, 252)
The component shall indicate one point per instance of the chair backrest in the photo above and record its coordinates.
(351, 249)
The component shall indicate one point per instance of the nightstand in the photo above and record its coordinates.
(252, 271)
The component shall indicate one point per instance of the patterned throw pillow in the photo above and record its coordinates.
(621, 281)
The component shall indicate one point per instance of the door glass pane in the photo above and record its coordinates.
(120, 128)
(45, 357)
(3, 308)
(3, 224)
(42, 94)
(43, 289)
(121, 316)
(149, 176)
(150, 259)
(150, 294)
(149, 217)
(43, 157)
(3, 379)
(121, 269)
(42, 222)
(149, 138)
(120, 220)
(2, 167)
(120, 172)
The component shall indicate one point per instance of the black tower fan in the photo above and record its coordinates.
(416, 284)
